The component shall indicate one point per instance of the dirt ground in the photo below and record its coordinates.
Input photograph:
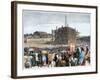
(40, 42)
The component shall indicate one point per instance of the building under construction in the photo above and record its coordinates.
(65, 35)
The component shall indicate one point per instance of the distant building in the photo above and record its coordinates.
(83, 41)
(65, 35)
(39, 34)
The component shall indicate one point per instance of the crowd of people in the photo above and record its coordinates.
(56, 57)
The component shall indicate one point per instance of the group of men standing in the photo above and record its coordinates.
(57, 58)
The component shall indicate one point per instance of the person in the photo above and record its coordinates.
(67, 59)
(87, 56)
(56, 60)
(76, 56)
(27, 64)
(40, 59)
(33, 62)
(81, 56)
(36, 58)
(27, 61)
(50, 59)
(44, 60)
(46, 55)
(72, 61)
(53, 63)
(62, 61)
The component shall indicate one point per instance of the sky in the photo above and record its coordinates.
(46, 21)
